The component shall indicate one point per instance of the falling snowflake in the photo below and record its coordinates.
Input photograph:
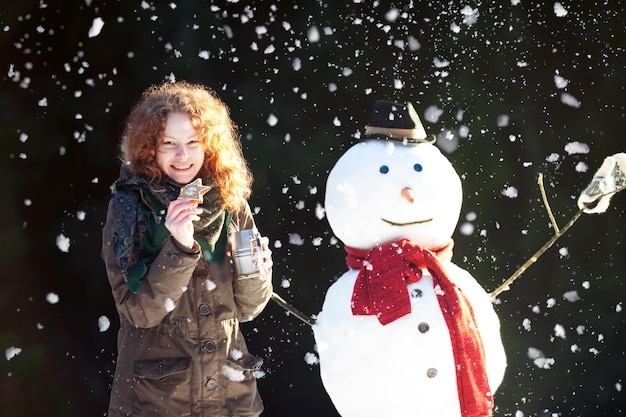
(104, 323)
(576, 148)
(63, 243)
(52, 298)
(12, 352)
(170, 305)
(311, 358)
(510, 192)
(96, 27)
(559, 10)
(570, 100)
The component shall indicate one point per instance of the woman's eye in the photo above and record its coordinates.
(418, 167)
(383, 169)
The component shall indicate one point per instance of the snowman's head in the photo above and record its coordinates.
(380, 191)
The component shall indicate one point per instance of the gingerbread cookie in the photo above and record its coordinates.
(194, 191)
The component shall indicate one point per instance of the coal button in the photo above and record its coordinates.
(416, 293)
(423, 327)
(431, 373)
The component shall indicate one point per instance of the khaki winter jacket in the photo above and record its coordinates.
(180, 350)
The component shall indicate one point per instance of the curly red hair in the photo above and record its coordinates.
(224, 162)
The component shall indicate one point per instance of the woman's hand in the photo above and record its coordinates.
(265, 258)
(181, 214)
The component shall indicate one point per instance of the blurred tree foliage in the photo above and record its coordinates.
(301, 77)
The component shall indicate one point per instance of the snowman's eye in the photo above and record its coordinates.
(383, 169)
(418, 167)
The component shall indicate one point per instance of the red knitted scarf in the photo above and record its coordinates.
(381, 290)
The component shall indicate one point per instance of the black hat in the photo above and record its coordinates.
(396, 122)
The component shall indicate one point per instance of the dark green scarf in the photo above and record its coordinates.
(138, 231)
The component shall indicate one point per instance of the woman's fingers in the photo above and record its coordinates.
(182, 207)
(266, 256)
(179, 220)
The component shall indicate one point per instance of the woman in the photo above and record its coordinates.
(168, 260)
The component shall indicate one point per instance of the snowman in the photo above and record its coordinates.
(404, 331)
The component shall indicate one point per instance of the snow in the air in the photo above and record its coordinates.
(573, 148)
(12, 352)
(96, 27)
(570, 100)
(104, 323)
(170, 304)
(571, 296)
(581, 167)
(559, 331)
(272, 120)
(52, 298)
(540, 359)
(503, 120)
(559, 10)
(560, 81)
(311, 358)
(433, 113)
(553, 157)
(210, 285)
(296, 239)
(63, 243)
(510, 192)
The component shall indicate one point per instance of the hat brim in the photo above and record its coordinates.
(398, 135)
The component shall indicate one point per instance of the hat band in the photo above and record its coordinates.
(411, 135)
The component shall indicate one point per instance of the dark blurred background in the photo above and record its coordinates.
(512, 89)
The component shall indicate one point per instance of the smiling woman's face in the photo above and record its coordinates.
(180, 154)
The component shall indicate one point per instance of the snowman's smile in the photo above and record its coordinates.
(408, 223)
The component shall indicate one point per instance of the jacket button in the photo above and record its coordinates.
(208, 346)
(431, 372)
(174, 258)
(205, 309)
(211, 384)
(423, 327)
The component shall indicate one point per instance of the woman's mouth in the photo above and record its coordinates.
(181, 167)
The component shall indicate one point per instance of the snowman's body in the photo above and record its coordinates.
(380, 192)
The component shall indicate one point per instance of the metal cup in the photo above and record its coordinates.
(246, 245)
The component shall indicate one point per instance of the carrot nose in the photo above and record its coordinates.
(407, 193)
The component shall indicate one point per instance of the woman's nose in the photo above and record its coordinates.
(407, 193)
(181, 151)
